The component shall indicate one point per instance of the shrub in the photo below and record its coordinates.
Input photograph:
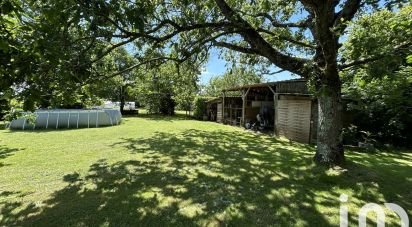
(157, 103)
(200, 107)
(15, 114)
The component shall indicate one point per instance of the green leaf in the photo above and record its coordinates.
(409, 59)
(4, 46)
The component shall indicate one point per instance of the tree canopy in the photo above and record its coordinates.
(237, 76)
(160, 89)
(381, 90)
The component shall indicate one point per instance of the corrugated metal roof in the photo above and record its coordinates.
(219, 99)
(262, 85)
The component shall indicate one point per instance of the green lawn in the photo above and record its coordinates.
(172, 171)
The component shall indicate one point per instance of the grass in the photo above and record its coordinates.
(156, 171)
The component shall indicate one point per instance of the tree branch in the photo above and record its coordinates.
(260, 45)
(288, 39)
(147, 35)
(262, 72)
(141, 63)
(276, 72)
(395, 52)
(241, 49)
(111, 48)
(299, 24)
(346, 14)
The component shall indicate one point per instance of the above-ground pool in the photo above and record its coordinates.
(55, 119)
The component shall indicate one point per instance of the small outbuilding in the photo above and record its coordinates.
(286, 107)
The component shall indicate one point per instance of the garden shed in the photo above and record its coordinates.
(286, 107)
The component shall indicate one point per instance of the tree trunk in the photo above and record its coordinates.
(329, 139)
(122, 105)
(122, 99)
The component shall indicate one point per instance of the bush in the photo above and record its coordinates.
(351, 135)
(382, 107)
(200, 107)
(157, 103)
(15, 114)
(4, 107)
(167, 105)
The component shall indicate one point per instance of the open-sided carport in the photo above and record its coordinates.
(286, 106)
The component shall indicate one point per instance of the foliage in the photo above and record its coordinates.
(13, 50)
(186, 86)
(156, 92)
(200, 107)
(160, 89)
(184, 100)
(159, 103)
(117, 83)
(383, 36)
(167, 104)
(55, 66)
(233, 78)
(382, 106)
(151, 102)
(350, 135)
(4, 107)
(15, 114)
(381, 91)
(48, 53)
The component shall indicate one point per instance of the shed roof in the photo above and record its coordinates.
(263, 85)
(219, 99)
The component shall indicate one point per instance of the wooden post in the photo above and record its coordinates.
(244, 99)
(223, 107)
(275, 102)
(275, 106)
(273, 91)
(242, 119)
(230, 115)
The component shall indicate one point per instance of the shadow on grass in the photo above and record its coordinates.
(5, 152)
(159, 117)
(199, 178)
(2, 125)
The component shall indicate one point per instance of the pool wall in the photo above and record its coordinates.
(59, 119)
